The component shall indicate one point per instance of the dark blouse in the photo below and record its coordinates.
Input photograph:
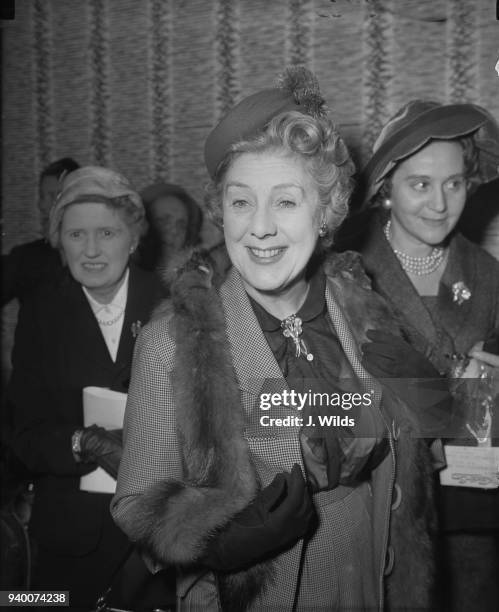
(319, 336)
(324, 452)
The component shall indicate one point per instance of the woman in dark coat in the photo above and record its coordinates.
(80, 332)
(426, 160)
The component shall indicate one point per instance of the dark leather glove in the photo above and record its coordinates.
(413, 379)
(491, 344)
(102, 446)
(281, 514)
(389, 356)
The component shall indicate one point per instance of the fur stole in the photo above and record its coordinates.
(410, 584)
(175, 519)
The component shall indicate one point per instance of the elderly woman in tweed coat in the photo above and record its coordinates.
(258, 509)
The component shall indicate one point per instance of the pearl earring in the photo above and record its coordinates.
(387, 203)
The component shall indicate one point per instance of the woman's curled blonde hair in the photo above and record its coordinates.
(317, 142)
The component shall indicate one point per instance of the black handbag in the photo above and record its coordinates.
(152, 592)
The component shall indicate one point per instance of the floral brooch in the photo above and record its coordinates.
(136, 328)
(460, 293)
(292, 328)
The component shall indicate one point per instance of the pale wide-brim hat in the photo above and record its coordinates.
(419, 122)
(90, 184)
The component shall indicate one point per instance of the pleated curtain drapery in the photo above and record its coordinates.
(136, 85)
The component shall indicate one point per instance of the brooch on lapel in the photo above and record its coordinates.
(460, 293)
(292, 328)
(136, 328)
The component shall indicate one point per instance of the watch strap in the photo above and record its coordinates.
(76, 443)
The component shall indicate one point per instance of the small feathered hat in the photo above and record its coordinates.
(297, 90)
(420, 121)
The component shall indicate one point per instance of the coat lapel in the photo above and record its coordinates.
(350, 337)
(274, 448)
(82, 328)
(336, 307)
(258, 372)
(461, 267)
(136, 315)
(250, 350)
(390, 280)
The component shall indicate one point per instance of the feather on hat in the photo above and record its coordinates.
(297, 90)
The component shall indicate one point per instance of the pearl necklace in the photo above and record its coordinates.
(419, 266)
(111, 321)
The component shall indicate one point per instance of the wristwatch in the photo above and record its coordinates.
(76, 443)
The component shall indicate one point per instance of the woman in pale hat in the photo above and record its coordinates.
(76, 333)
(223, 475)
(174, 222)
(426, 161)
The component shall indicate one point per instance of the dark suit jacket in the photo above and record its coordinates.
(59, 349)
(27, 267)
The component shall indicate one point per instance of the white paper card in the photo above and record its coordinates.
(105, 408)
(98, 481)
(471, 466)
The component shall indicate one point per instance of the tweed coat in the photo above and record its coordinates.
(458, 328)
(187, 469)
(59, 349)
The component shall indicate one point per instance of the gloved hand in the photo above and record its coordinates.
(389, 356)
(412, 378)
(281, 514)
(491, 344)
(102, 446)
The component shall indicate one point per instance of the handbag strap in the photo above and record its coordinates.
(101, 604)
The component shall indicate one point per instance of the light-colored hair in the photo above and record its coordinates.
(314, 140)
